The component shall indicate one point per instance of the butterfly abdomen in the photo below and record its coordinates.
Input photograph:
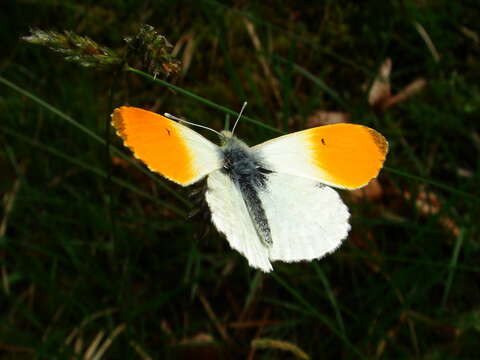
(248, 173)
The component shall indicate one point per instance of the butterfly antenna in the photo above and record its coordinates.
(172, 117)
(239, 116)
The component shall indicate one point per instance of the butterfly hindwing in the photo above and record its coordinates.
(341, 155)
(231, 217)
(307, 220)
(165, 146)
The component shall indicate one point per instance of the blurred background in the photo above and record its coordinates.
(97, 257)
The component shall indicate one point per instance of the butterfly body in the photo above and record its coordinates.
(247, 171)
(272, 201)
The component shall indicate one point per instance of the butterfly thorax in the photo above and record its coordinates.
(241, 163)
(249, 174)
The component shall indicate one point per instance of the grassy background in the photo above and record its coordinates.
(96, 268)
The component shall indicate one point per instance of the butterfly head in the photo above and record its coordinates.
(227, 138)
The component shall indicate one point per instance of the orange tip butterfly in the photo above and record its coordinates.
(273, 201)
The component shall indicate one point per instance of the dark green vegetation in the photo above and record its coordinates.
(85, 258)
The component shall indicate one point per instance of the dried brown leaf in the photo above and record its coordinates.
(198, 339)
(118, 161)
(380, 90)
(380, 95)
(372, 192)
(429, 204)
(411, 89)
(322, 117)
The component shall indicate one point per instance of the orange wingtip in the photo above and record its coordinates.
(155, 140)
(349, 155)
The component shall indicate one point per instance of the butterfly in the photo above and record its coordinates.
(273, 201)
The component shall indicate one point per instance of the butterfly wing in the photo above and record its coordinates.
(341, 155)
(230, 216)
(165, 146)
(307, 220)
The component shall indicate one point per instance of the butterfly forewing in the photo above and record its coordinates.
(341, 155)
(165, 146)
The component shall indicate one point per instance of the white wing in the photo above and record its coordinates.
(307, 220)
(231, 217)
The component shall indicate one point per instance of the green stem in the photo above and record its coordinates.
(203, 100)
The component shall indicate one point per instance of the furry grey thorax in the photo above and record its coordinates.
(249, 174)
